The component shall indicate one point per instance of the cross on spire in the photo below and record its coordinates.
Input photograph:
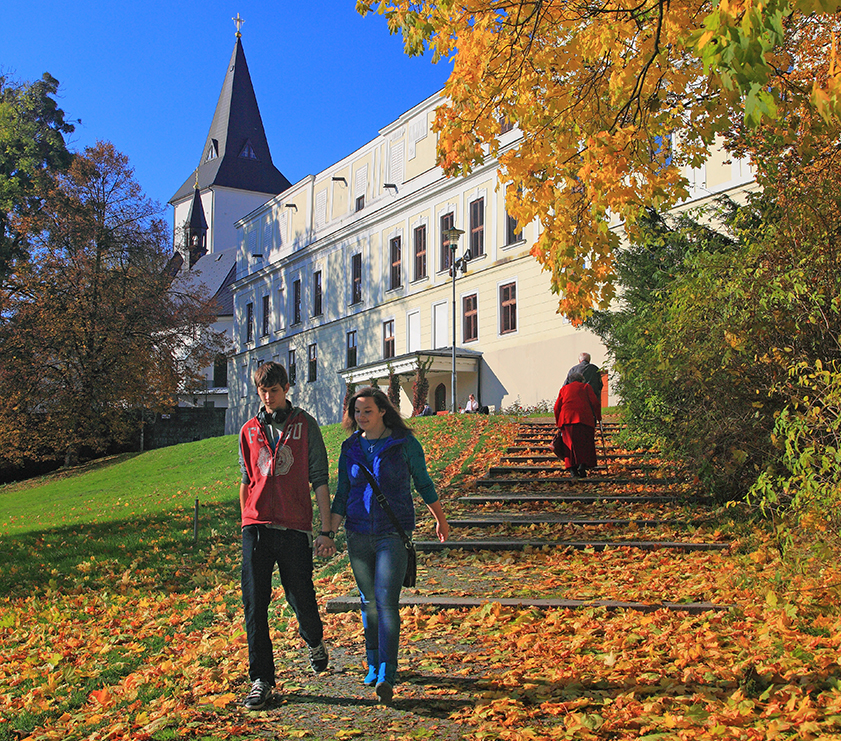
(239, 21)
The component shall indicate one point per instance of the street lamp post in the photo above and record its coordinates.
(452, 236)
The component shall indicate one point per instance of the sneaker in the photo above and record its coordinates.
(385, 692)
(258, 697)
(386, 679)
(319, 658)
(371, 677)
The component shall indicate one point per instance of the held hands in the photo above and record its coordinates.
(324, 546)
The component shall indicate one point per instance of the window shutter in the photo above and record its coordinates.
(395, 172)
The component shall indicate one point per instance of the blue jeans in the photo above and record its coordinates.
(379, 565)
(262, 547)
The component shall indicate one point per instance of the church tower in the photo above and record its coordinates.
(195, 230)
(235, 174)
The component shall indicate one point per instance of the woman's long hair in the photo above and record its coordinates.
(391, 418)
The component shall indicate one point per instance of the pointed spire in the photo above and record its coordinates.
(195, 218)
(236, 153)
(195, 233)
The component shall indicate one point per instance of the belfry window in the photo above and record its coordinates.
(248, 152)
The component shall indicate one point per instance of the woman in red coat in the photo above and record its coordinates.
(577, 410)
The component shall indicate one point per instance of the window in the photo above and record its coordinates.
(420, 252)
(470, 331)
(321, 208)
(388, 339)
(220, 371)
(477, 227)
(267, 312)
(312, 364)
(395, 166)
(316, 293)
(356, 278)
(281, 308)
(351, 349)
(447, 222)
(360, 186)
(296, 302)
(212, 150)
(508, 308)
(505, 125)
(249, 322)
(396, 251)
(292, 370)
(511, 234)
(247, 152)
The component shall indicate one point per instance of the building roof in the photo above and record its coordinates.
(216, 272)
(236, 153)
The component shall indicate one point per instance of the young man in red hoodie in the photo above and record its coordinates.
(282, 455)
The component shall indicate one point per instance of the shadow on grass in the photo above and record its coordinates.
(435, 708)
(64, 473)
(157, 550)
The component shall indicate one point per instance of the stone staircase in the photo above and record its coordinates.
(528, 504)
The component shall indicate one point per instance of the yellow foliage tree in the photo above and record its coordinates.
(612, 99)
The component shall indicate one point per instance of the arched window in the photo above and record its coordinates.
(440, 397)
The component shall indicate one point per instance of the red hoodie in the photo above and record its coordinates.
(278, 483)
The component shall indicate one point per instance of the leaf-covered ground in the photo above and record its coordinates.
(144, 645)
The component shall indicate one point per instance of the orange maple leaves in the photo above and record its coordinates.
(612, 101)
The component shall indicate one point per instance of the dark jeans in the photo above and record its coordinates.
(262, 547)
(379, 565)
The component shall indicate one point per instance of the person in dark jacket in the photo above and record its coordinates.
(577, 410)
(592, 374)
(382, 442)
(282, 455)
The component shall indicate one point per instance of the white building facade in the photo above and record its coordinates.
(344, 277)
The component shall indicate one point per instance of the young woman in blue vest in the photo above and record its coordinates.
(382, 442)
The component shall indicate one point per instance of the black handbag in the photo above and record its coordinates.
(411, 577)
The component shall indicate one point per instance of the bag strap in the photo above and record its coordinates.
(385, 505)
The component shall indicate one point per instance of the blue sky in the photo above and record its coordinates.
(147, 75)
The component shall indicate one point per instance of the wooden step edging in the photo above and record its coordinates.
(586, 498)
(569, 480)
(609, 456)
(350, 603)
(515, 544)
(520, 520)
(494, 471)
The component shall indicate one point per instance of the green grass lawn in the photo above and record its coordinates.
(123, 488)
(86, 527)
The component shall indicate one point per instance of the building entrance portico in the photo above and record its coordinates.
(437, 367)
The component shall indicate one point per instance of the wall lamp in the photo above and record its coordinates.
(292, 205)
(390, 185)
(337, 179)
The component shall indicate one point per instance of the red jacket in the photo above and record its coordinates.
(278, 482)
(577, 404)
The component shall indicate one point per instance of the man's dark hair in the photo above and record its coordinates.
(270, 374)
